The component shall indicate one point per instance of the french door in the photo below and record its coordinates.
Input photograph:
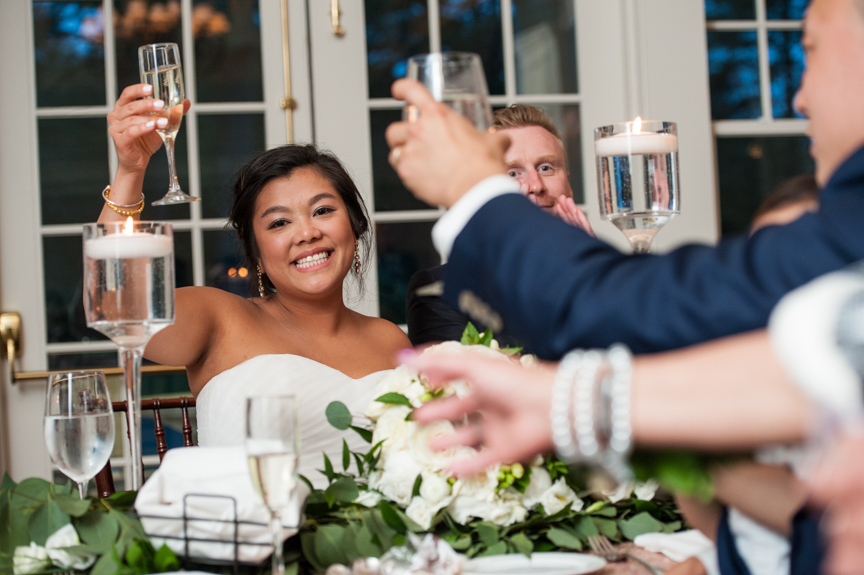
(586, 62)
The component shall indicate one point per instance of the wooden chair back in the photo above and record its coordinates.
(105, 478)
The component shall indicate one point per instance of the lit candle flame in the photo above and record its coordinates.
(129, 225)
(637, 124)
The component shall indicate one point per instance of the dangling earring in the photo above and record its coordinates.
(260, 282)
(357, 263)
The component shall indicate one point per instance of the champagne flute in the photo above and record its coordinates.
(159, 65)
(273, 447)
(79, 425)
(456, 79)
(637, 178)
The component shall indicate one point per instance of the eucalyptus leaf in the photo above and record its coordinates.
(292, 568)
(499, 548)
(366, 547)
(307, 543)
(7, 483)
(608, 511)
(346, 456)
(607, 527)
(45, 520)
(487, 533)
(328, 544)
(328, 468)
(671, 527)
(391, 517)
(105, 565)
(122, 499)
(394, 398)
(639, 524)
(72, 504)
(338, 415)
(97, 529)
(343, 489)
(522, 544)
(461, 543)
(565, 539)
(586, 528)
(34, 489)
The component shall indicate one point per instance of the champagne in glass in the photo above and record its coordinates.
(273, 448)
(637, 177)
(159, 65)
(79, 425)
(457, 80)
(129, 296)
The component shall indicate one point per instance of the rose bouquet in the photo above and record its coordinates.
(401, 486)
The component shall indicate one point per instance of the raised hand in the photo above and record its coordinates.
(440, 155)
(514, 402)
(567, 210)
(133, 129)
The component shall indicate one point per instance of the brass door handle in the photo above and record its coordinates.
(10, 334)
(335, 17)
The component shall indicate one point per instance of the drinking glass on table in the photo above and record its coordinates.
(456, 79)
(159, 65)
(273, 448)
(637, 178)
(79, 425)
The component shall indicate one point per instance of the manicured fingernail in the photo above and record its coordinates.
(147, 88)
(162, 122)
(158, 104)
(150, 124)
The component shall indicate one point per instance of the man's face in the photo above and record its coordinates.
(536, 160)
(832, 87)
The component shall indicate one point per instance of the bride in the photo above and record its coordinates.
(302, 223)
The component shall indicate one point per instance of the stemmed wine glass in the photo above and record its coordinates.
(129, 296)
(79, 425)
(273, 447)
(456, 79)
(637, 177)
(159, 65)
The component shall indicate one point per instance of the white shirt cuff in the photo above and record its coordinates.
(450, 225)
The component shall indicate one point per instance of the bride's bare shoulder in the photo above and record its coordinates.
(385, 333)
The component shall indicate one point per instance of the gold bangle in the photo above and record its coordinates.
(139, 205)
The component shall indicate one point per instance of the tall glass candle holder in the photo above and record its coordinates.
(129, 296)
(637, 178)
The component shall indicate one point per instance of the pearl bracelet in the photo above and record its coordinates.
(559, 411)
(615, 413)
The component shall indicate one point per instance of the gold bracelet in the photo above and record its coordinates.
(139, 205)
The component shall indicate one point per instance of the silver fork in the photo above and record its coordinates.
(603, 547)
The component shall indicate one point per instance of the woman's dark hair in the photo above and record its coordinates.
(282, 162)
(795, 190)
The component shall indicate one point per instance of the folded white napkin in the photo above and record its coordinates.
(676, 546)
(198, 472)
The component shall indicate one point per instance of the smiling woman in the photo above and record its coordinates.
(304, 228)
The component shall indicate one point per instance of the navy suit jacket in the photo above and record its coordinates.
(430, 319)
(556, 288)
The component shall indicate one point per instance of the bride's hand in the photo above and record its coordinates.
(133, 129)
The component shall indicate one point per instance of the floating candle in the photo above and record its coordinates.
(635, 142)
(128, 245)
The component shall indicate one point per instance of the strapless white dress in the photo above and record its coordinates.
(220, 407)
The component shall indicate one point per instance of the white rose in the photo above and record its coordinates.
(396, 480)
(421, 512)
(623, 491)
(29, 559)
(506, 513)
(398, 381)
(647, 490)
(368, 498)
(394, 430)
(464, 507)
(64, 537)
(559, 496)
(480, 486)
(434, 489)
(431, 459)
(540, 482)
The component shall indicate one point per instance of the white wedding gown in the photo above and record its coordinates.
(221, 405)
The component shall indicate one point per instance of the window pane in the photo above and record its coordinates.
(389, 192)
(545, 45)
(140, 22)
(73, 168)
(227, 51)
(733, 64)
(475, 26)
(64, 277)
(69, 52)
(395, 30)
(787, 65)
(225, 265)
(402, 250)
(156, 180)
(730, 9)
(749, 168)
(76, 361)
(786, 9)
(225, 142)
